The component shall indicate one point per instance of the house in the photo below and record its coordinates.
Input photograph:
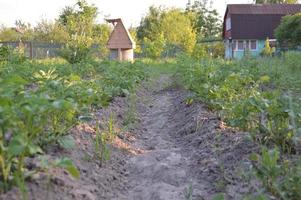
(120, 43)
(247, 26)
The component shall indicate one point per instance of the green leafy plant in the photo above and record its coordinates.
(41, 101)
(101, 141)
(268, 50)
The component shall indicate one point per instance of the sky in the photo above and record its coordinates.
(130, 11)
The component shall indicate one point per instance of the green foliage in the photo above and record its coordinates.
(4, 53)
(150, 25)
(101, 34)
(268, 50)
(177, 30)
(206, 21)
(281, 178)
(199, 52)
(21, 32)
(267, 168)
(40, 101)
(154, 48)
(78, 22)
(254, 96)
(288, 33)
(102, 141)
(68, 165)
(217, 50)
(160, 30)
(15, 56)
(235, 89)
(47, 31)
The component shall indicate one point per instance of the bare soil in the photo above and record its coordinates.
(174, 150)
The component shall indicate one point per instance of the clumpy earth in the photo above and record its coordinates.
(174, 149)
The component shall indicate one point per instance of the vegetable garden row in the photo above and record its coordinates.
(40, 101)
(261, 96)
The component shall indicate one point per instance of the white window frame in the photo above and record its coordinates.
(228, 24)
(236, 47)
(244, 45)
(256, 41)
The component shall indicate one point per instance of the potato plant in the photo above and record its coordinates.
(249, 95)
(40, 101)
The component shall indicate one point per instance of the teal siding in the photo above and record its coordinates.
(260, 46)
(240, 54)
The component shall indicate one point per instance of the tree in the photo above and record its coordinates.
(205, 21)
(133, 32)
(288, 33)
(9, 34)
(167, 28)
(21, 32)
(78, 21)
(47, 31)
(276, 1)
(100, 35)
(150, 26)
(154, 48)
(178, 31)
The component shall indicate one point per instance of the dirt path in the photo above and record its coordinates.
(174, 151)
(189, 154)
(162, 172)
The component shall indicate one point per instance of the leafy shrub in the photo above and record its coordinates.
(154, 48)
(289, 31)
(282, 179)
(268, 50)
(15, 56)
(4, 53)
(76, 50)
(292, 60)
(199, 51)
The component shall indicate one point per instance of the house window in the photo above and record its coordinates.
(228, 24)
(253, 45)
(247, 45)
(240, 45)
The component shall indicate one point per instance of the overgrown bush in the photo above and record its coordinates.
(4, 53)
(199, 51)
(76, 50)
(288, 33)
(11, 55)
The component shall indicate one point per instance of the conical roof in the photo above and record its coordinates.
(120, 37)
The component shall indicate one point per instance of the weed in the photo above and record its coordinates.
(102, 151)
(188, 192)
(130, 116)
